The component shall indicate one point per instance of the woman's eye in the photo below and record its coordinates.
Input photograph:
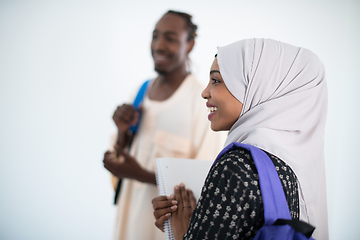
(214, 81)
(154, 37)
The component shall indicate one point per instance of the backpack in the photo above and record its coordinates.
(278, 224)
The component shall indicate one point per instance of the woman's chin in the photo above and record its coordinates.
(217, 128)
(214, 128)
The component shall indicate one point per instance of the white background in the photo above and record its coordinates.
(66, 65)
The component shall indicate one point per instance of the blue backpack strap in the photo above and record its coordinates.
(137, 102)
(140, 96)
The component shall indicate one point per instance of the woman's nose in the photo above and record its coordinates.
(205, 93)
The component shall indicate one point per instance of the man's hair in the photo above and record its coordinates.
(191, 27)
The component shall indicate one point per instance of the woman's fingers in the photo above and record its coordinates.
(191, 198)
(162, 202)
(159, 223)
(186, 202)
(163, 205)
(178, 197)
(181, 217)
(164, 211)
(158, 199)
(184, 196)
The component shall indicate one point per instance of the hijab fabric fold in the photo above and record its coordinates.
(284, 96)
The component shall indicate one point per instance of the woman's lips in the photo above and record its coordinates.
(212, 110)
(209, 105)
(211, 115)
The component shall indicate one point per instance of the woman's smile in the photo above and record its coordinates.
(212, 110)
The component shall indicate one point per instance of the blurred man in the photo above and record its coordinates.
(173, 123)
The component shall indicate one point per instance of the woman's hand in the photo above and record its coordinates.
(180, 219)
(163, 207)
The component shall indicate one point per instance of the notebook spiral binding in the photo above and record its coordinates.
(159, 181)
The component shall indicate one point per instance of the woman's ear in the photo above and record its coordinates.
(190, 45)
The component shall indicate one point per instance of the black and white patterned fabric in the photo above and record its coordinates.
(230, 206)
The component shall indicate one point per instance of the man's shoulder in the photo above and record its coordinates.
(196, 82)
(194, 87)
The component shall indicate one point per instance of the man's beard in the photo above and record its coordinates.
(160, 71)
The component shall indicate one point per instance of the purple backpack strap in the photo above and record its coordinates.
(275, 205)
(278, 223)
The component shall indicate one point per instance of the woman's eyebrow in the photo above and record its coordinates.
(214, 71)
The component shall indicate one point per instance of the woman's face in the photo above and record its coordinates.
(224, 108)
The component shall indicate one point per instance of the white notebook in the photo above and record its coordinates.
(173, 171)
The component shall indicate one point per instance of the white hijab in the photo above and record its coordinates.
(284, 95)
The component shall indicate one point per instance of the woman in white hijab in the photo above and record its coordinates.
(271, 95)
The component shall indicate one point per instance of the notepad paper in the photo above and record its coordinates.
(173, 171)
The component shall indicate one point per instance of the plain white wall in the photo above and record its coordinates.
(66, 65)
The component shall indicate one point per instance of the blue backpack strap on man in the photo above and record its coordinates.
(137, 102)
(278, 223)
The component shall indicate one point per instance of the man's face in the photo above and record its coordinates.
(169, 45)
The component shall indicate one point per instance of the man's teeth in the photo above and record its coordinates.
(157, 57)
(212, 109)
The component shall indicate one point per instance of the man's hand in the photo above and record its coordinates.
(125, 116)
(129, 168)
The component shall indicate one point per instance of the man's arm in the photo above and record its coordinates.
(125, 116)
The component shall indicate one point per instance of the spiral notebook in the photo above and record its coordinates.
(173, 171)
